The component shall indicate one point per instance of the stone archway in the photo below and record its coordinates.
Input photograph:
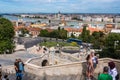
(45, 63)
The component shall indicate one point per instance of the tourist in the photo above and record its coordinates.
(113, 71)
(105, 75)
(16, 66)
(21, 65)
(94, 59)
(5, 77)
(21, 69)
(90, 69)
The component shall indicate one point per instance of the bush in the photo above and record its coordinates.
(74, 44)
(111, 53)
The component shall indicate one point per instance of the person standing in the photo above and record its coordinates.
(105, 75)
(21, 65)
(112, 70)
(90, 69)
(94, 59)
(16, 66)
(21, 69)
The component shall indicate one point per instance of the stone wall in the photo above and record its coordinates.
(74, 71)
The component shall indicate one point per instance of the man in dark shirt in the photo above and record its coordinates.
(16, 65)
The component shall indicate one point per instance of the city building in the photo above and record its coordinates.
(109, 27)
(75, 31)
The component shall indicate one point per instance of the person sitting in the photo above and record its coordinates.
(105, 75)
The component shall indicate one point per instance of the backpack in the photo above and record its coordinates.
(96, 60)
(117, 77)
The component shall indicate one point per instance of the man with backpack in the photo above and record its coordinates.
(19, 68)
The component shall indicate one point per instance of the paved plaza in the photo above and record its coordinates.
(8, 59)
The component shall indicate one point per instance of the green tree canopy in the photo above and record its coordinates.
(44, 33)
(59, 33)
(98, 39)
(111, 39)
(24, 31)
(111, 46)
(72, 35)
(6, 35)
(85, 34)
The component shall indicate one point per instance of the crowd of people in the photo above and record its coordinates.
(109, 72)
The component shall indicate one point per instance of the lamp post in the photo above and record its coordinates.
(115, 44)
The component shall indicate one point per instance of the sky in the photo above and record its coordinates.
(64, 6)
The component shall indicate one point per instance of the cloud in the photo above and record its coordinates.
(61, 5)
(38, 1)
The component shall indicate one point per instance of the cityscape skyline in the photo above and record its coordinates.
(64, 6)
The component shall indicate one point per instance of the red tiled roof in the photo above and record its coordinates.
(28, 28)
(109, 25)
(73, 29)
(33, 29)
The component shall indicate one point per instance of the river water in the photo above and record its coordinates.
(15, 18)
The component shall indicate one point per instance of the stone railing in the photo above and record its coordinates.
(30, 61)
(72, 71)
(8, 69)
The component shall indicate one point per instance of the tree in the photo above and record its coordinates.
(59, 33)
(54, 34)
(85, 34)
(62, 34)
(110, 40)
(23, 31)
(59, 29)
(44, 33)
(72, 35)
(111, 50)
(6, 36)
(98, 39)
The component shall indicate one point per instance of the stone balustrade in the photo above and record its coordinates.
(72, 71)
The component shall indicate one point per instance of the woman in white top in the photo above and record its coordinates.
(112, 70)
